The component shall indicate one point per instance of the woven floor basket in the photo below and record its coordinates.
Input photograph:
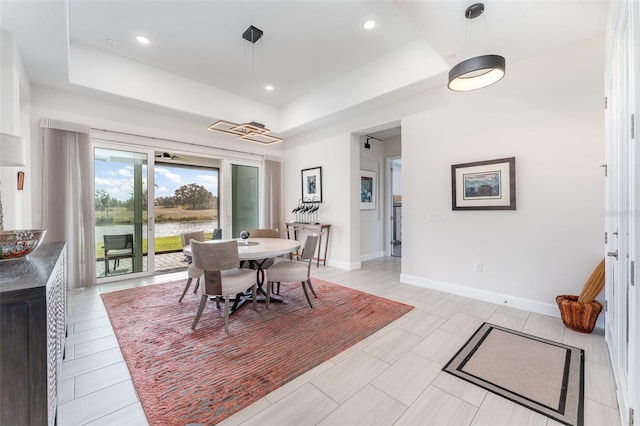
(580, 317)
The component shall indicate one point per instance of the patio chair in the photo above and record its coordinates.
(118, 247)
(192, 271)
(294, 271)
(222, 277)
(216, 234)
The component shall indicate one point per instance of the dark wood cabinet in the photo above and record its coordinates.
(33, 317)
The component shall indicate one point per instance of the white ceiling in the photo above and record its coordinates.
(306, 46)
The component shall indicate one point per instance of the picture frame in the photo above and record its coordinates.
(312, 185)
(484, 185)
(368, 183)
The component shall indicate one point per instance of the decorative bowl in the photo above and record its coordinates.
(18, 243)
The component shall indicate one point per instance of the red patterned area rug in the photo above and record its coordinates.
(203, 376)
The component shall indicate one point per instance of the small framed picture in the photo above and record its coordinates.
(367, 190)
(484, 185)
(312, 185)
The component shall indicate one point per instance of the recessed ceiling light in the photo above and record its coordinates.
(269, 88)
(369, 24)
(143, 39)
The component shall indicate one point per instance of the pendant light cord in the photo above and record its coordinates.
(465, 44)
(489, 37)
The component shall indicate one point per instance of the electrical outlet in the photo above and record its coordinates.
(477, 267)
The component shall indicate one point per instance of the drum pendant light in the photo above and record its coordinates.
(479, 71)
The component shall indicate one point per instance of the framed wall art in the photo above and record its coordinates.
(312, 185)
(367, 190)
(484, 185)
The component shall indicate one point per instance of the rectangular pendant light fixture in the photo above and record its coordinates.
(253, 131)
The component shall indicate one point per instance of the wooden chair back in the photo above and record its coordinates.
(264, 233)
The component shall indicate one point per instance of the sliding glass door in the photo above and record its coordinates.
(245, 198)
(123, 223)
(186, 200)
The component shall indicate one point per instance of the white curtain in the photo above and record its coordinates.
(272, 196)
(67, 197)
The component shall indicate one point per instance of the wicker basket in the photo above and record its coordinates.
(580, 317)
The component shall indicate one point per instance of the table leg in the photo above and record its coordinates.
(243, 298)
(326, 246)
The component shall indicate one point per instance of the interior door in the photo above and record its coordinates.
(619, 226)
(123, 215)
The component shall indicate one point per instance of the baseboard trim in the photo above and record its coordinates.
(371, 256)
(344, 265)
(486, 296)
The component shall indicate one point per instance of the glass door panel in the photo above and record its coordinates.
(245, 198)
(121, 203)
(186, 200)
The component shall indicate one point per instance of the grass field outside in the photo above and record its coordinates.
(123, 216)
(164, 244)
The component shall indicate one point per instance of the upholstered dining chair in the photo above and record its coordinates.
(294, 271)
(264, 233)
(222, 277)
(192, 271)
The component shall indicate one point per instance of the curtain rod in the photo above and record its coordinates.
(176, 141)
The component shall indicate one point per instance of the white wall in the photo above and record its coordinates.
(334, 156)
(118, 117)
(550, 118)
(14, 120)
(371, 221)
(393, 147)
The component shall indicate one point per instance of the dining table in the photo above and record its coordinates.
(255, 252)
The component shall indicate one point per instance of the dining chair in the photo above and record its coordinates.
(192, 271)
(264, 233)
(222, 277)
(294, 270)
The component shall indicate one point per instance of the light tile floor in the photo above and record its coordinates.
(391, 378)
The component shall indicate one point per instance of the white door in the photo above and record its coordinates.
(621, 201)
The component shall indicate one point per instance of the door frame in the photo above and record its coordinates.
(622, 200)
(119, 146)
(389, 202)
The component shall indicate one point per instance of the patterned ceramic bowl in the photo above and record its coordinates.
(17, 244)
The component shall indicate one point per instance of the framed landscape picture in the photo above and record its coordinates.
(484, 185)
(312, 185)
(367, 190)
